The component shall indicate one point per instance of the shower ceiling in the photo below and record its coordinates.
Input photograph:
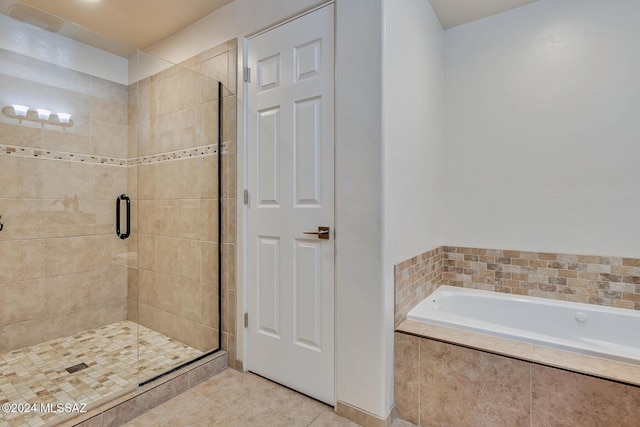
(138, 23)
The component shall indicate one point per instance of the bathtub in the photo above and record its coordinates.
(612, 333)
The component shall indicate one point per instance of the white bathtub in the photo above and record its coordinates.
(608, 332)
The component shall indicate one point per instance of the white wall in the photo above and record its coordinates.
(414, 129)
(413, 148)
(542, 129)
(362, 305)
(20, 37)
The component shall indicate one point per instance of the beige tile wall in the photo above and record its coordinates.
(219, 63)
(59, 273)
(62, 269)
(601, 280)
(175, 288)
(437, 384)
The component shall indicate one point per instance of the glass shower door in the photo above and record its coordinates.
(65, 336)
(177, 208)
(90, 308)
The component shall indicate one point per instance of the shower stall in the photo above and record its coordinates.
(111, 199)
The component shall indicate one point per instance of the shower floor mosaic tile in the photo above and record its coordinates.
(38, 375)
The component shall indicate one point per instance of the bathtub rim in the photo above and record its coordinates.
(529, 298)
(424, 312)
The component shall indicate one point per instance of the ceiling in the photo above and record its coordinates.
(142, 23)
(452, 13)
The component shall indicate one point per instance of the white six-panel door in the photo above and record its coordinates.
(290, 156)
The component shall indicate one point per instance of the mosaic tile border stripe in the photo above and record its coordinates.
(180, 154)
(211, 149)
(9, 150)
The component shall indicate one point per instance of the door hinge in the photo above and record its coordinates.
(246, 320)
(247, 74)
(246, 197)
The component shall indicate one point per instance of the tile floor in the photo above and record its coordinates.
(239, 399)
(37, 374)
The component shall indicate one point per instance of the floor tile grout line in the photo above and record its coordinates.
(223, 383)
(316, 417)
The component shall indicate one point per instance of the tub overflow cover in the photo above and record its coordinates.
(581, 317)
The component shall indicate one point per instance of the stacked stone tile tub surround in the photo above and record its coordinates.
(592, 279)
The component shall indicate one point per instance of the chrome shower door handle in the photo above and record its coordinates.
(322, 233)
(128, 201)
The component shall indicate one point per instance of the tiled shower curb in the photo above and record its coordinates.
(134, 403)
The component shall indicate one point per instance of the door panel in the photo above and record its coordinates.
(268, 288)
(307, 290)
(290, 151)
(267, 145)
(268, 70)
(308, 150)
(308, 59)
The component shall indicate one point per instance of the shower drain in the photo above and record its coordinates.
(76, 368)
